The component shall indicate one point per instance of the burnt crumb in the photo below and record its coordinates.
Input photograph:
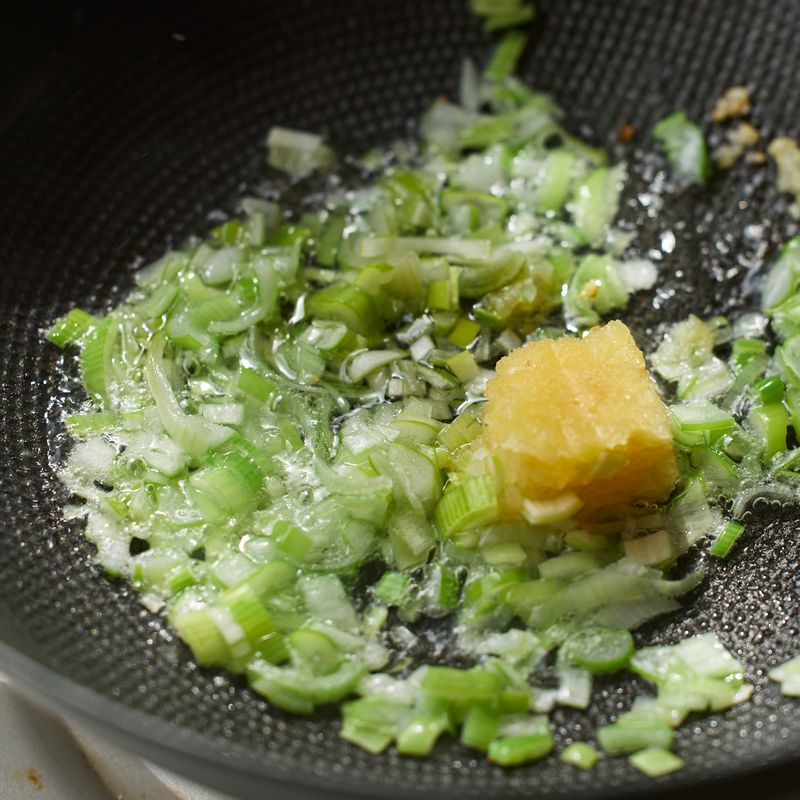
(626, 132)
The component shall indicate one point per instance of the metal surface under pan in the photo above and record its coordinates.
(145, 126)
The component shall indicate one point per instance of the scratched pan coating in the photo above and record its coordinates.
(125, 144)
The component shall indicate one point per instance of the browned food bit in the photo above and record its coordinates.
(734, 103)
(745, 135)
(786, 153)
(739, 139)
(626, 132)
(758, 157)
(726, 155)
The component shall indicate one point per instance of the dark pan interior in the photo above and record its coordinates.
(128, 141)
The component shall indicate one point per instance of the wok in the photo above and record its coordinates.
(124, 144)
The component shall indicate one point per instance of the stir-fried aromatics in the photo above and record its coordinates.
(285, 445)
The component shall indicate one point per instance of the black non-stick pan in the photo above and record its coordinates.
(130, 139)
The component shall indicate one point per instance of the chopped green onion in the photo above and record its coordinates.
(575, 687)
(464, 333)
(511, 751)
(293, 543)
(296, 152)
(595, 288)
(580, 754)
(463, 366)
(256, 385)
(228, 487)
(300, 693)
(96, 356)
(700, 424)
(651, 550)
(198, 629)
(411, 536)
(628, 736)
(392, 588)
(368, 361)
(480, 727)
(189, 432)
(770, 389)
(313, 651)
(372, 723)
(770, 423)
(467, 504)
(782, 279)
(420, 733)
(503, 14)
(505, 57)
(379, 246)
(655, 761)
(346, 304)
(560, 169)
(685, 146)
(788, 675)
(597, 649)
(596, 201)
(71, 327)
(726, 539)
(568, 565)
(456, 686)
(462, 430)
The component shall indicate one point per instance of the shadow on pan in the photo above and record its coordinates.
(125, 142)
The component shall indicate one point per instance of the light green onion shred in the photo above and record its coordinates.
(580, 754)
(655, 761)
(788, 675)
(685, 146)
